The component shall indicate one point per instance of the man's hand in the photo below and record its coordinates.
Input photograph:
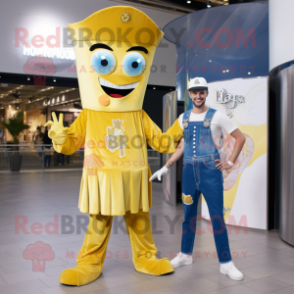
(222, 165)
(163, 171)
(58, 133)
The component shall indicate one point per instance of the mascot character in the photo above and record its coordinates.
(114, 51)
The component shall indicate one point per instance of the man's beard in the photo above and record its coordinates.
(199, 106)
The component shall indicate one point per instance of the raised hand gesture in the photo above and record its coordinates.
(58, 133)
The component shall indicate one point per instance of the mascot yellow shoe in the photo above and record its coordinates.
(143, 248)
(114, 51)
(92, 254)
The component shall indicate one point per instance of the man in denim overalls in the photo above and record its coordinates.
(202, 173)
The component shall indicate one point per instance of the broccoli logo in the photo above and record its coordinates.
(38, 253)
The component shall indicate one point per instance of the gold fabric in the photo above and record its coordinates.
(91, 257)
(143, 248)
(116, 171)
(115, 132)
(120, 28)
(92, 254)
(139, 27)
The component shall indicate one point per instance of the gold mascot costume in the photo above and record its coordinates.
(114, 51)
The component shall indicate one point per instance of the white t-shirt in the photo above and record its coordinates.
(219, 122)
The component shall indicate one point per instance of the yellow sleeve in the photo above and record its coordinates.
(75, 136)
(162, 142)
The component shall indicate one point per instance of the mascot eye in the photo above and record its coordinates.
(134, 64)
(103, 62)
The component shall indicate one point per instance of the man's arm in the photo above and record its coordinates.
(176, 156)
(164, 170)
(239, 143)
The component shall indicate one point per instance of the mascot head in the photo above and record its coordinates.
(114, 50)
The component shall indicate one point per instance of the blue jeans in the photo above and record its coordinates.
(47, 158)
(203, 177)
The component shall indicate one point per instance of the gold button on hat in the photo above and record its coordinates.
(125, 17)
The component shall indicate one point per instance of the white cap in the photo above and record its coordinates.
(198, 84)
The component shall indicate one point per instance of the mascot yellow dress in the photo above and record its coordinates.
(114, 51)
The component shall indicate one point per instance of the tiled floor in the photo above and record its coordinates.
(266, 261)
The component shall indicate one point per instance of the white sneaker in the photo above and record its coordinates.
(230, 269)
(181, 259)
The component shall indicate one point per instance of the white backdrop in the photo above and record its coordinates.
(43, 17)
(281, 23)
(245, 187)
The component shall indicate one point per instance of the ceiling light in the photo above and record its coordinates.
(30, 100)
(29, 79)
(208, 4)
(154, 88)
(54, 81)
(188, 2)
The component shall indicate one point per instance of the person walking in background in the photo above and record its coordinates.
(38, 140)
(47, 141)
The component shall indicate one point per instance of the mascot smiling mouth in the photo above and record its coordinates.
(117, 91)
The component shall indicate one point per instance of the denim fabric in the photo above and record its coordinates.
(200, 175)
(47, 158)
(198, 137)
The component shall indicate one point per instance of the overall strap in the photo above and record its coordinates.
(185, 118)
(208, 117)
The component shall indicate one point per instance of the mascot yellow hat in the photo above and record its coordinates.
(114, 50)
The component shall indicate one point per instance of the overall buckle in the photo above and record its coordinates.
(206, 123)
(185, 123)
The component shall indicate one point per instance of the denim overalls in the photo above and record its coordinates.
(201, 176)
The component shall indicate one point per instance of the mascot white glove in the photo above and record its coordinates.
(163, 171)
